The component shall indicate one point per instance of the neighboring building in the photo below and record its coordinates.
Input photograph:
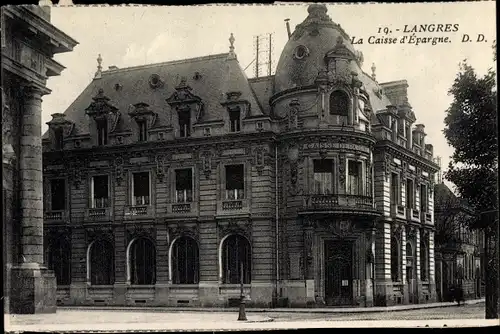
(29, 42)
(171, 183)
(459, 250)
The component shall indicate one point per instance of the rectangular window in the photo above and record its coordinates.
(184, 124)
(423, 198)
(323, 177)
(102, 132)
(58, 139)
(354, 179)
(409, 194)
(234, 119)
(395, 189)
(140, 186)
(235, 182)
(143, 130)
(58, 194)
(184, 185)
(100, 191)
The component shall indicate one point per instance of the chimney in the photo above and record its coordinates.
(287, 21)
(112, 68)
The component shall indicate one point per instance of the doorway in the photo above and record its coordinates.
(338, 273)
(410, 274)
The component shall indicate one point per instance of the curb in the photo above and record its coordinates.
(267, 310)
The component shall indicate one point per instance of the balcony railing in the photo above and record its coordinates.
(54, 215)
(333, 201)
(181, 207)
(232, 205)
(401, 210)
(428, 217)
(97, 214)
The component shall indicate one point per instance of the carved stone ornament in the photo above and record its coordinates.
(187, 230)
(141, 111)
(259, 159)
(99, 233)
(387, 165)
(397, 230)
(183, 94)
(342, 162)
(160, 167)
(77, 168)
(294, 176)
(138, 231)
(59, 122)
(206, 162)
(119, 173)
(341, 228)
(100, 106)
(411, 232)
(233, 226)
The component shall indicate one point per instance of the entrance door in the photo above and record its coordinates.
(338, 273)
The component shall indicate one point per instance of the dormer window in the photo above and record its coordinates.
(143, 130)
(58, 139)
(102, 132)
(234, 119)
(339, 103)
(184, 125)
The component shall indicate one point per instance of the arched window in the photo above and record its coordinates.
(395, 260)
(102, 263)
(185, 265)
(235, 255)
(142, 262)
(339, 103)
(424, 260)
(59, 260)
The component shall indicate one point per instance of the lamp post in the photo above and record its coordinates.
(242, 314)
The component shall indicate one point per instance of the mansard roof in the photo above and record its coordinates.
(210, 78)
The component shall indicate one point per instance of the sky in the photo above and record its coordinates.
(138, 35)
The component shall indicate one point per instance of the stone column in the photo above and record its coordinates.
(31, 178)
(370, 267)
(33, 286)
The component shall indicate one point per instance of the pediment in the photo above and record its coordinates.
(100, 105)
(183, 95)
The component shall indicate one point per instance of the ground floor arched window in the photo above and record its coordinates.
(102, 263)
(185, 261)
(142, 262)
(59, 260)
(236, 253)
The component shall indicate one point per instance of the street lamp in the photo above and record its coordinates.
(242, 314)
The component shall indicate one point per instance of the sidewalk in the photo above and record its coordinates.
(275, 310)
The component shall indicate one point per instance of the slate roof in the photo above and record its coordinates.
(219, 74)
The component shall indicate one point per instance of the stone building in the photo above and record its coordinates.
(29, 41)
(459, 250)
(172, 183)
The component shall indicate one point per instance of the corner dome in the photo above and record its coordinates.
(303, 56)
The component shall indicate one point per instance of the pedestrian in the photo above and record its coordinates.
(459, 295)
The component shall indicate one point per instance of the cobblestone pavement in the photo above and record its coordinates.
(123, 321)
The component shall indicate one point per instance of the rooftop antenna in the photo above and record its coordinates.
(289, 32)
(440, 172)
(263, 54)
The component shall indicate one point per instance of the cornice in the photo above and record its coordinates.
(407, 155)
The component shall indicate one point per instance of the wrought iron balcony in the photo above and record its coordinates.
(337, 201)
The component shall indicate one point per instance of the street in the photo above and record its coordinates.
(125, 320)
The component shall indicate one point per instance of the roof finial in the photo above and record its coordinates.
(99, 67)
(373, 72)
(231, 55)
